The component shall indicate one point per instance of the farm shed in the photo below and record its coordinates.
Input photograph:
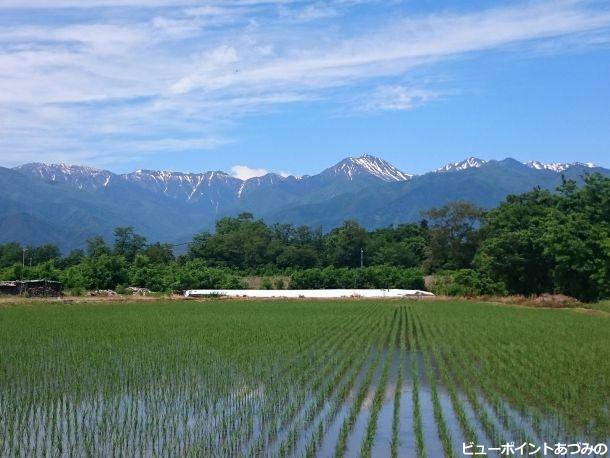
(36, 288)
(9, 287)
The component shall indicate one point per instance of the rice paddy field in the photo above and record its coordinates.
(299, 378)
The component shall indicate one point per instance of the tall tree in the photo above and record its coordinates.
(454, 237)
(10, 253)
(344, 244)
(241, 242)
(159, 253)
(513, 248)
(43, 253)
(127, 243)
(96, 247)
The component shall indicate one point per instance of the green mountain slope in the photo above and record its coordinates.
(33, 212)
(395, 203)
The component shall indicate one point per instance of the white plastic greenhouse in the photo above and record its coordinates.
(308, 293)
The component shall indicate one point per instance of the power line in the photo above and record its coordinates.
(180, 244)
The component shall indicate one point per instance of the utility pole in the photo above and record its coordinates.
(361, 257)
(22, 271)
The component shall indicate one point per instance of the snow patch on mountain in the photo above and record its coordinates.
(81, 177)
(557, 166)
(368, 165)
(474, 162)
(219, 188)
(188, 186)
(468, 163)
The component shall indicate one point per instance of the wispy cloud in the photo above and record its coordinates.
(396, 97)
(45, 4)
(308, 13)
(396, 48)
(172, 79)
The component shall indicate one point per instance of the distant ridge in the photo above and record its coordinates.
(192, 185)
(67, 204)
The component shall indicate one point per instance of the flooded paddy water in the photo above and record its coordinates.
(386, 380)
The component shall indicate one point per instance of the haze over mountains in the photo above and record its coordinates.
(66, 205)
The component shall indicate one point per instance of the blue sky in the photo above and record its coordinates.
(294, 86)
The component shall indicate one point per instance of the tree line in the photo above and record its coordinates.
(532, 243)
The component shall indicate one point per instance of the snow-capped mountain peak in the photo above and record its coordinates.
(352, 167)
(218, 190)
(47, 170)
(468, 163)
(188, 186)
(556, 166)
(474, 162)
(80, 176)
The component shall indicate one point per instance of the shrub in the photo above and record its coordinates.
(121, 289)
(180, 277)
(307, 279)
(76, 291)
(466, 282)
(365, 278)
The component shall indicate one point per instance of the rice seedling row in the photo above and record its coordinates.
(326, 376)
(288, 410)
(402, 344)
(488, 395)
(349, 421)
(343, 378)
(443, 433)
(417, 420)
(371, 428)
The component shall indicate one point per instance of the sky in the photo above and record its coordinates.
(289, 86)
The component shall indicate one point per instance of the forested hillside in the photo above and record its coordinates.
(66, 205)
(535, 242)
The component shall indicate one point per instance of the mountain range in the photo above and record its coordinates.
(67, 204)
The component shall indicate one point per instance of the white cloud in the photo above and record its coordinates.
(93, 88)
(400, 46)
(208, 11)
(91, 4)
(176, 28)
(397, 97)
(219, 14)
(308, 13)
(219, 64)
(243, 172)
(46, 4)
